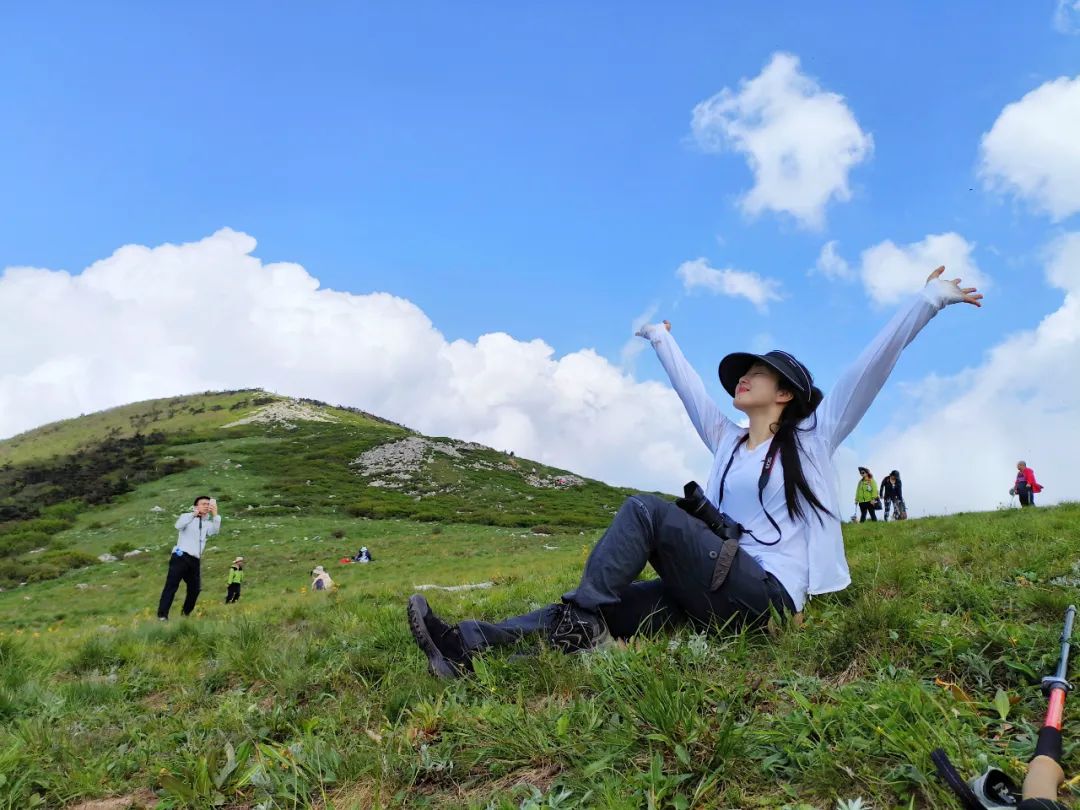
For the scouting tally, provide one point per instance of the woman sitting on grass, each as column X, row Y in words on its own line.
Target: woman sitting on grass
column 776, row 478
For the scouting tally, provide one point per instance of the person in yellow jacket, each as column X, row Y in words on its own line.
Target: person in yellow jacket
column 236, row 576
column 866, row 494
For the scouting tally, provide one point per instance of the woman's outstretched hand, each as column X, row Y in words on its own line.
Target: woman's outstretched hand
column 646, row 330
column 966, row 295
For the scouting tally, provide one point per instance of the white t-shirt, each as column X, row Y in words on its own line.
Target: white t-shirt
column 787, row 560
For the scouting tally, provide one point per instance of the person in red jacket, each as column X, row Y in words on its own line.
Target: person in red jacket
column 1026, row 486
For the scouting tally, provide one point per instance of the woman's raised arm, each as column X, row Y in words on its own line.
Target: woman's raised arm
column 703, row 411
column 857, row 387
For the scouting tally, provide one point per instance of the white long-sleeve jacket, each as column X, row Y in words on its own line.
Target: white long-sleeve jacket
column 193, row 532
column 835, row 418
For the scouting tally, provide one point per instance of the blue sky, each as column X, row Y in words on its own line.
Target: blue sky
column 528, row 169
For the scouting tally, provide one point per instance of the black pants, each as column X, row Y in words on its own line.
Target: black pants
column 898, row 507
column 683, row 551
column 1027, row 495
column 233, row 593
column 865, row 509
column 183, row 568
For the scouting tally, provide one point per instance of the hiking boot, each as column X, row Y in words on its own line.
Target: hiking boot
column 441, row 642
column 577, row 630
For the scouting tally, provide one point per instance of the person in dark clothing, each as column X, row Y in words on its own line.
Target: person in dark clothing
column 363, row 556
column 194, row 527
column 892, row 495
column 235, row 578
column 1025, row 486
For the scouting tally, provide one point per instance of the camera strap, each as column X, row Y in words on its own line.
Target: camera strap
column 763, row 479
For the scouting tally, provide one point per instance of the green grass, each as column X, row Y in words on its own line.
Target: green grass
column 319, row 695
column 297, row 699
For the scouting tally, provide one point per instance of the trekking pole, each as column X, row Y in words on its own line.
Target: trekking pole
column 1044, row 771
column 994, row 789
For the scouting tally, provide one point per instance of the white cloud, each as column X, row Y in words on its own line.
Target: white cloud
column 800, row 141
column 1022, row 402
column 208, row 315
column 1067, row 16
column 832, row 265
column 759, row 291
column 890, row 272
column 1033, row 149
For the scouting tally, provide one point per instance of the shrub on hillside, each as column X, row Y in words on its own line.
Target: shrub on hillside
column 44, row 525
column 65, row 510
column 38, row 568
column 18, row 542
column 12, row 511
column 121, row 548
column 92, row 475
column 269, row 511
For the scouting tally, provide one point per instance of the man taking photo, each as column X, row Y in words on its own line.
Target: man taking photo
column 194, row 527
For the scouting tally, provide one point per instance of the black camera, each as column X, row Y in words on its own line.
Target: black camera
column 695, row 503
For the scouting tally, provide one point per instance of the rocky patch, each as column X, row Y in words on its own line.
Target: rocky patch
column 284, row 413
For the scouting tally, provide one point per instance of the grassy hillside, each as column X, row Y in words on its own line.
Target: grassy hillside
column 173, row 415
column 268, row 456
column 300, row 699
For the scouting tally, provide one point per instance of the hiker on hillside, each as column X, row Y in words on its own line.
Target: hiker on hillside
column 234, row 580
column 1025, row 486
column 363, row 555
column 774, row 480
column 892, row 495
column 321, row 580
column 193, row 527
column 866, row 495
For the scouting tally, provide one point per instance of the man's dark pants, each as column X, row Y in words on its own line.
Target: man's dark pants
column 182, row 568
column 682, row 550
column 1027, row 495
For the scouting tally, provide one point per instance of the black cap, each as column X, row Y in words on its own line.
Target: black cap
column 794, row 373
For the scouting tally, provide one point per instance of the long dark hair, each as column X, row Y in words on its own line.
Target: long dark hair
column 786, row 432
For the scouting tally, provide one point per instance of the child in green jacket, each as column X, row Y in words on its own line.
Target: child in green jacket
column 236, row 576
column 865, row 495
